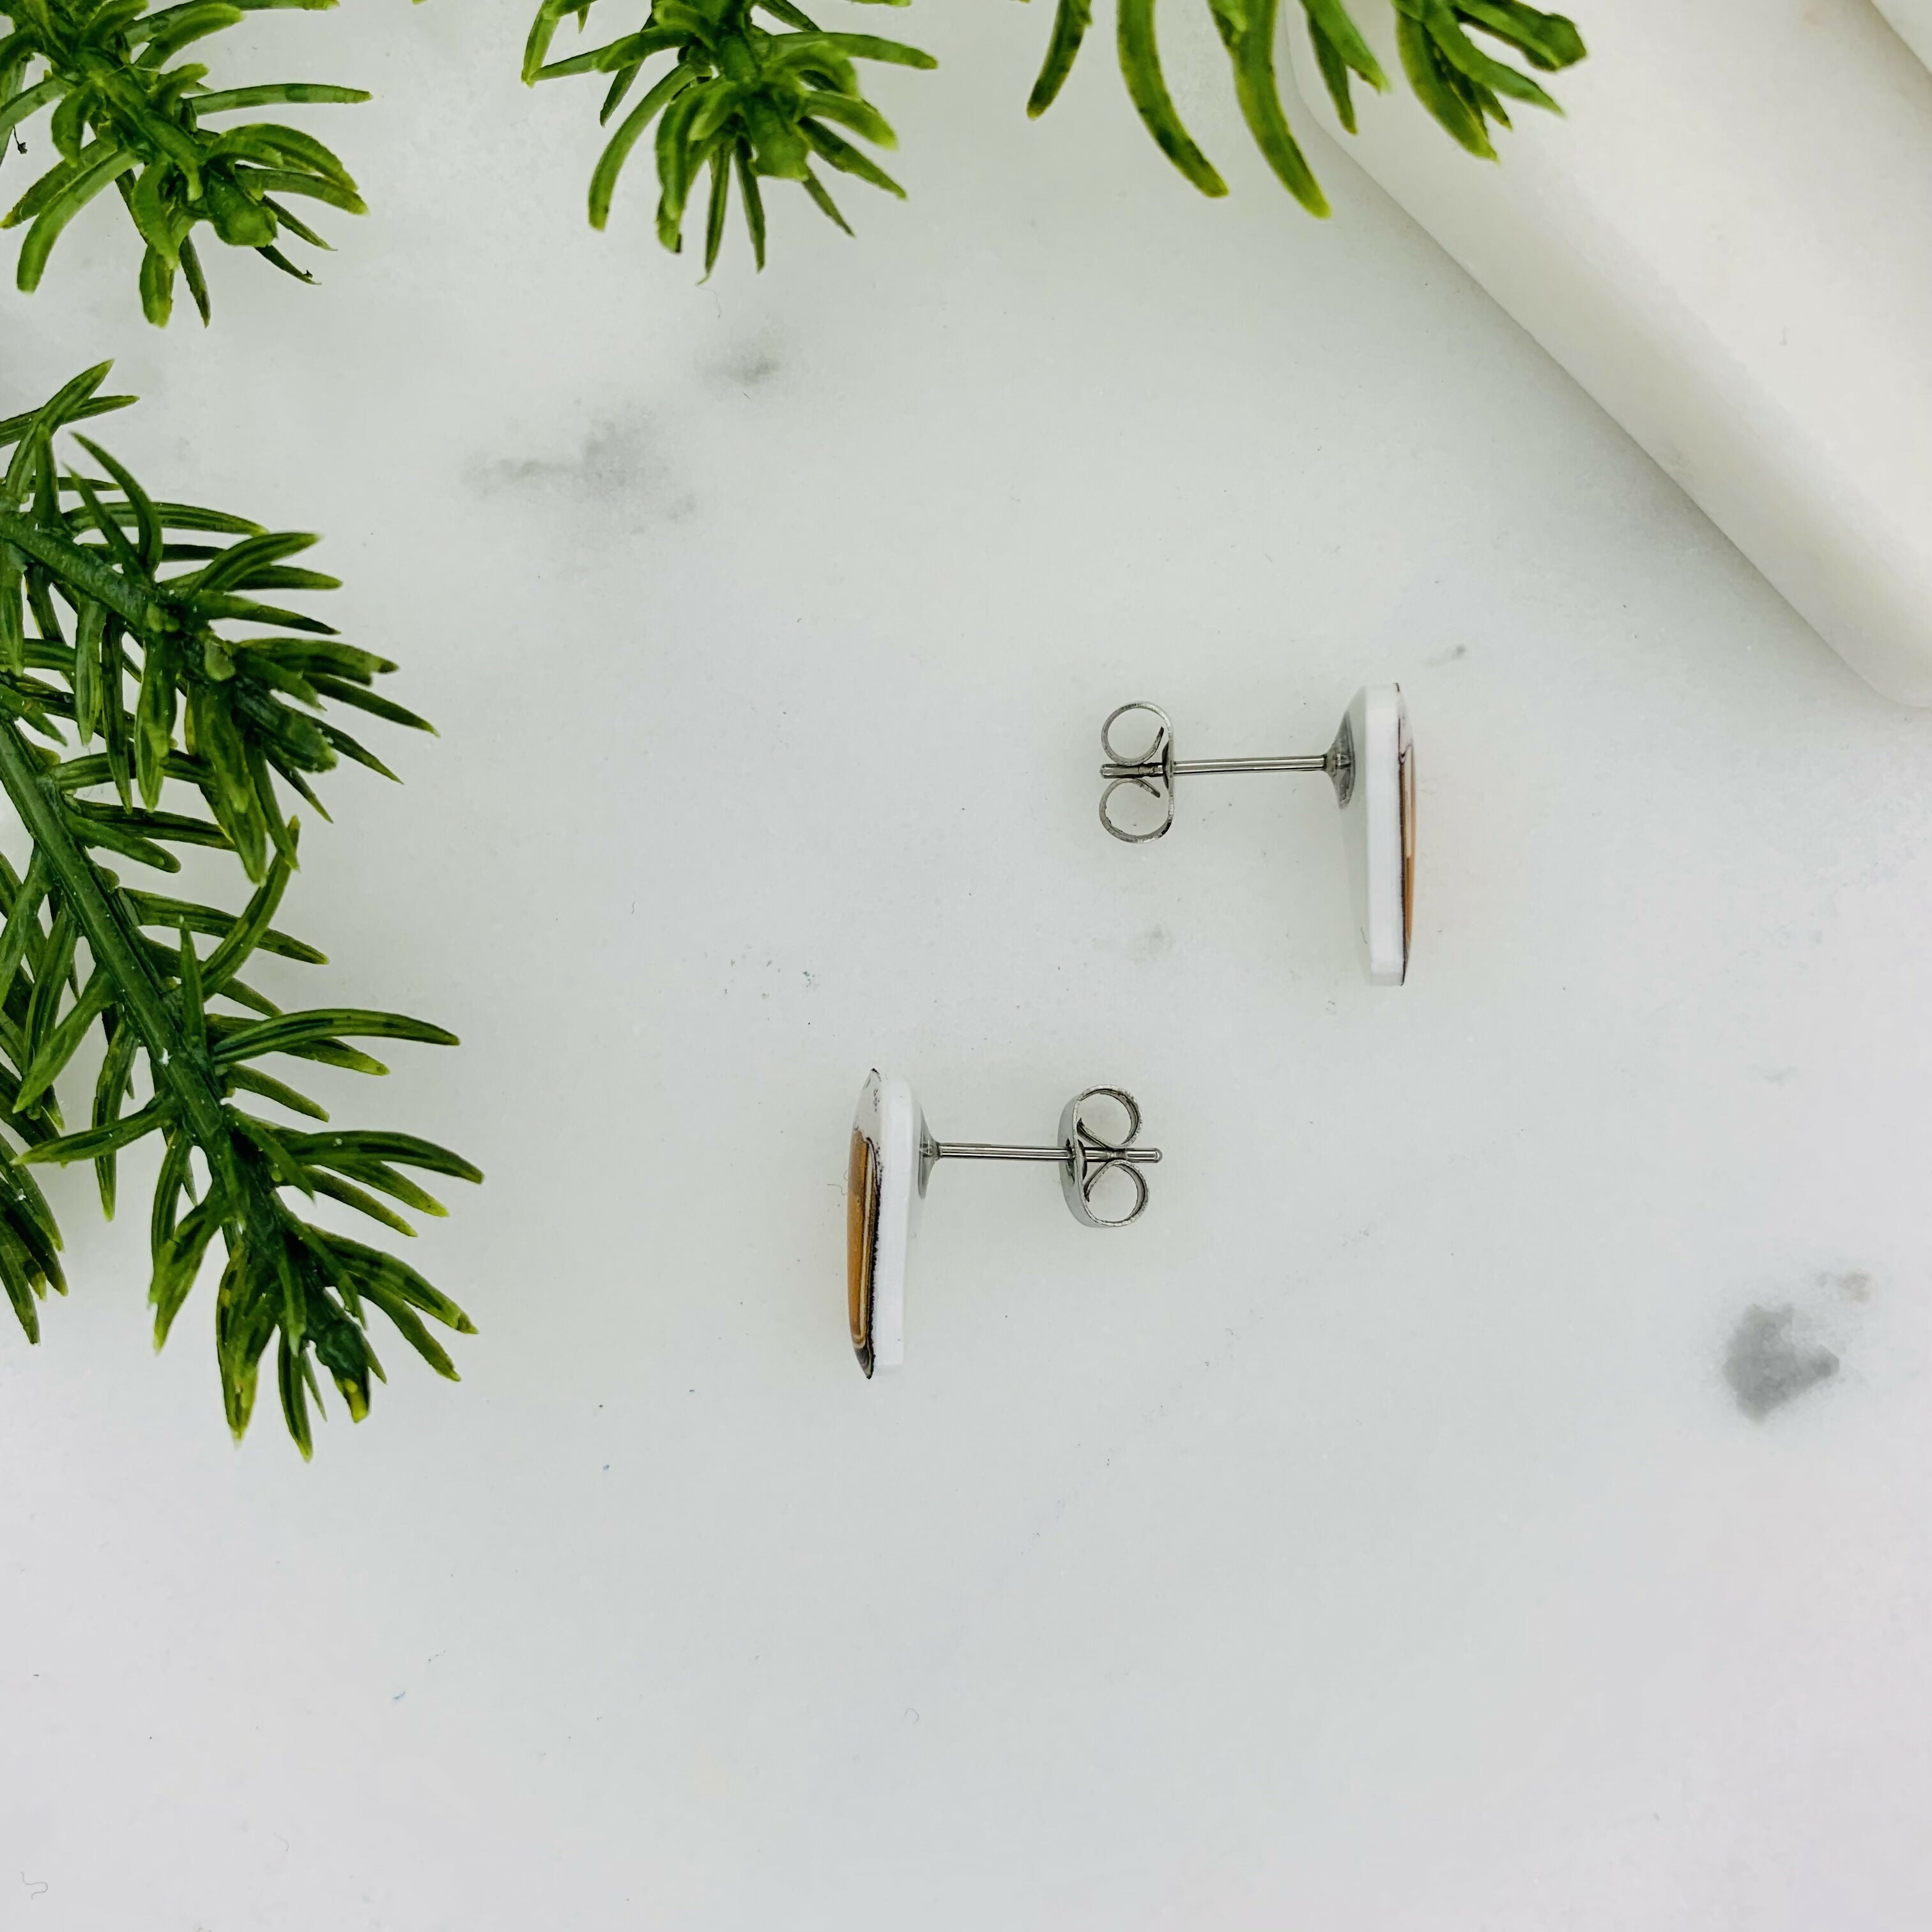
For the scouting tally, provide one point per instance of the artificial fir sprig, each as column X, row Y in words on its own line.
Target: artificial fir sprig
column 104, row 589
column 1461, row 86
column 737, row 100
column 120, row 115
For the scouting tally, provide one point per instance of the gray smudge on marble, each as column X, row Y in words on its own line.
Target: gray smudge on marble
column 1767, row 1367
column 750, row 364
column 616, row 464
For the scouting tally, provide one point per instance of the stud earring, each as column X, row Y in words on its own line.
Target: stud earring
column 1372, row 766
column 893, row 1154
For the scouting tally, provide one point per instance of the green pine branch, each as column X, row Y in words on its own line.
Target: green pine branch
column 119, row 617
column 743, row 102
column 1459, row 83
column 120, row 116
column 737, row 102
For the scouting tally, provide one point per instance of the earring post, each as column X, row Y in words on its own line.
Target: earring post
column 1316, row 761
column 1146, row 768
column 985, row 1150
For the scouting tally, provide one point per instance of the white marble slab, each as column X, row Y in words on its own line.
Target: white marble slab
column 1426, row 1516
column 1724, row 239
column 1913, row 21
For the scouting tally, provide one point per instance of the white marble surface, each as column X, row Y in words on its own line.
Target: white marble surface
column 1369, row 1539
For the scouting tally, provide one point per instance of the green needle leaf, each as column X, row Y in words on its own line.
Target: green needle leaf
column 630, row 130
column 1140, row 66
column 288, row 1031
column 92, row 1142
column 1260, row 100
column 61, row 210
column 1071, row 19
column 281, row 94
